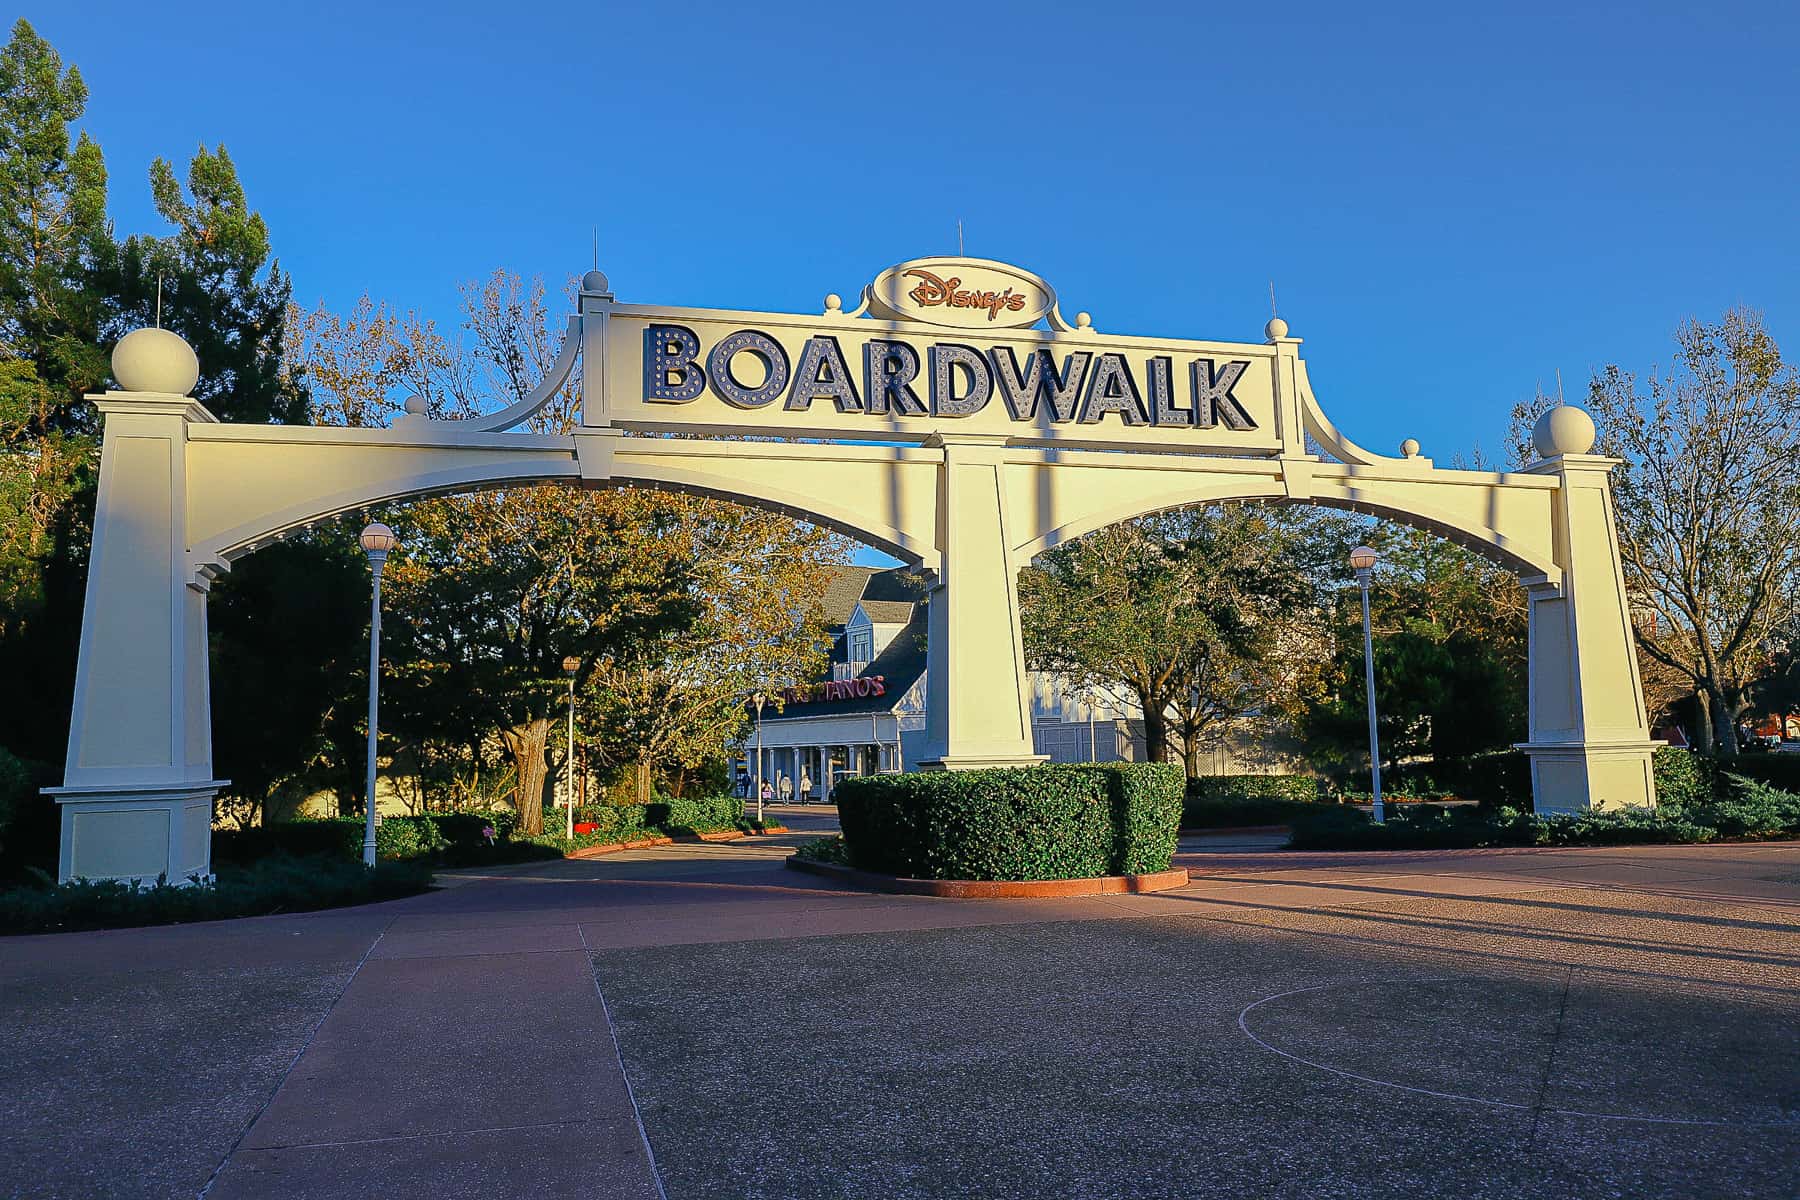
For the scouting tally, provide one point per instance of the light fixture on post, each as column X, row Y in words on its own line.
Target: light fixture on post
column 571, row 665
column 757, row 698
column 377, row 540
column 1363, row 560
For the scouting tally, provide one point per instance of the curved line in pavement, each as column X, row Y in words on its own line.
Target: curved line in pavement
column 1244, row 1027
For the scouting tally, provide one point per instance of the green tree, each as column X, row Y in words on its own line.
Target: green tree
column 1185, row 610
column 1705, row 502
column 288, row 655
column 751, row 586
column 52, row 231
column 214, row 281
column 1449, row 637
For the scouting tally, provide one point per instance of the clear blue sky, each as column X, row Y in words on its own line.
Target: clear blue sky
column 1454, row 203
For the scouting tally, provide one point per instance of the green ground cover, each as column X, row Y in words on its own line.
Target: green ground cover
column 276, row 884
column 1698, row 800
column 476, row 839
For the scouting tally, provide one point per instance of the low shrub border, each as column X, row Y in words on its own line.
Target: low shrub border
column 487, row 839
column 1736, row 809
column 1239, row 801
column 278, row 884
column 1013, row 823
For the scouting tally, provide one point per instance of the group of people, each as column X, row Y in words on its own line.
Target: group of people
column 781, row 788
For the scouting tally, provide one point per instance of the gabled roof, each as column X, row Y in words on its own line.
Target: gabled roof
column 888, row 612
column 843, row 591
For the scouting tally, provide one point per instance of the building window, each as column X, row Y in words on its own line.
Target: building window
column 862, row 645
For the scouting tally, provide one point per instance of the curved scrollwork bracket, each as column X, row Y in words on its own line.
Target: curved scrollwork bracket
column 517, row 414
column 1322, row 430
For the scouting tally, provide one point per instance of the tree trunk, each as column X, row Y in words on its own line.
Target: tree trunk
column 1190, row 748
column 1724, row 719
column 526, row 744
column 1703, row 727
column 640, row 779
column 1156, row 730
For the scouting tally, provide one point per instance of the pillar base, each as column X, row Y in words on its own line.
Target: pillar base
column 980, row 762
column 1591, row 776
column 137, row 834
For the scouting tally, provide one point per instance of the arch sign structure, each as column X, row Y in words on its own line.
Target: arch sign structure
column 954, row 418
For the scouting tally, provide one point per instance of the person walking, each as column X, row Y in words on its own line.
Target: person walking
column 768, row 793
column 786, row 787
column 805, row 796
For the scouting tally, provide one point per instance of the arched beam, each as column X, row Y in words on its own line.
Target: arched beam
column 884, row 538
column 1394, row 499
column 249, row 485
column 883, row 496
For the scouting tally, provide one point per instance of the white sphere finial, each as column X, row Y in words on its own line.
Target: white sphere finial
column 155, row 360
column 594, row 283
column 834, row 303
column 1409, row 448
column 1564, row 429
column 1083, row 321
column 1275, row 329
column 415, row 406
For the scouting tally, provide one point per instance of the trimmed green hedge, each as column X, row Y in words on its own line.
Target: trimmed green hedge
column 1684, row 777
column 1499, row 777
column 1739, row 808
column 1228, row 801
column 458, row 839
column 277, row 884
column 1012, row 823
column 1253, row 787
column 708, row 814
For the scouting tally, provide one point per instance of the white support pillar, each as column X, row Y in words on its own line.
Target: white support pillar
column 976, row 712
column 1590, row 743
column 138, row 787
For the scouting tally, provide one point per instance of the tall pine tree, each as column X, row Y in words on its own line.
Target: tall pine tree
column 53, row 232
column 220, row 288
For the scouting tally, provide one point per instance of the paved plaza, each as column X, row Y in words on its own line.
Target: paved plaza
column 696, row 1021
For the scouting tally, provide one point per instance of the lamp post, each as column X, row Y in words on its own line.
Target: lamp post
column 1363, row 559
column 377, row 540
column 571, row 665
column 757, row 698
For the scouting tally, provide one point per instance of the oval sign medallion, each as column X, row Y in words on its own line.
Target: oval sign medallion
column 960, row 293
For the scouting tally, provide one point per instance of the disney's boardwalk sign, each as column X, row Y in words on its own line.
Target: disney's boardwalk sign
column 892, row 376
column 952, row 418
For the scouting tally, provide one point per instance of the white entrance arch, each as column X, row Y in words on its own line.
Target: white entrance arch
column 954, row 419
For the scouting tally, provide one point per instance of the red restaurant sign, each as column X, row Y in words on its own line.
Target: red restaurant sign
column 861, row 687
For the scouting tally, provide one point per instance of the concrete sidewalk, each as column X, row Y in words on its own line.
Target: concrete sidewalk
column 1482, row 1023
